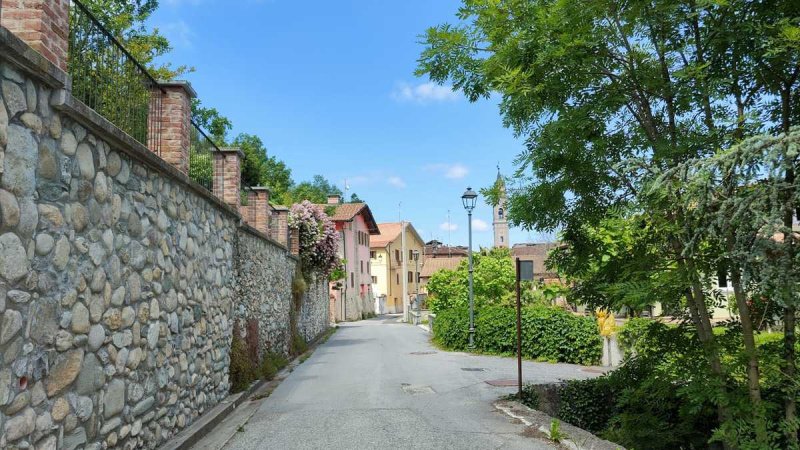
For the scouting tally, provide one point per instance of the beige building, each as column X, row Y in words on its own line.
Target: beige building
column 393, row 265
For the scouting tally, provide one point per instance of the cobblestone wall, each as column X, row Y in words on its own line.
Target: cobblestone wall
column 261, row 263
column 118, row 285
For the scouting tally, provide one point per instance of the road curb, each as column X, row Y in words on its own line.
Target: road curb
column 574, row 438
column 206, row 423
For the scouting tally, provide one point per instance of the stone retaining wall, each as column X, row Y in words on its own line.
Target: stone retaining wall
column 120, row 279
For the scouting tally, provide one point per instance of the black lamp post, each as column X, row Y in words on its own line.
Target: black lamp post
column 469, row 199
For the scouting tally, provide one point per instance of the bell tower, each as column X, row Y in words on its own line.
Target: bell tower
column 500, row 223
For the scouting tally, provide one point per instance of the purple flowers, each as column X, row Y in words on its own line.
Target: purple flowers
column 318, row 239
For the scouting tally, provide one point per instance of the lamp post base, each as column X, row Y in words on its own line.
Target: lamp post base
column 471, row 345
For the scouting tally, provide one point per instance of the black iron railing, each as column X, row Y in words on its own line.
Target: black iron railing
column 201, row 159
column 108, row 79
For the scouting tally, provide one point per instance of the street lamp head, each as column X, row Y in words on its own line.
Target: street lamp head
column 415, row 253
column 469, row 199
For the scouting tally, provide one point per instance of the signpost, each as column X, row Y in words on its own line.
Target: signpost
column 524, row 272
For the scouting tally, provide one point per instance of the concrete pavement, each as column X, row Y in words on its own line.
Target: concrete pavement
column 380, row 384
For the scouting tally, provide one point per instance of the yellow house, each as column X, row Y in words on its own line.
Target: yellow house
column 393, row 265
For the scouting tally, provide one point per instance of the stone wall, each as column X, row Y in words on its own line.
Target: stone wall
column 314, row 316
column 118, row 277
column 264, row 294
column 264, row 291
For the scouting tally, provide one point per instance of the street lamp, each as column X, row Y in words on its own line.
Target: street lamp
column 415, row 253
column 469, row 199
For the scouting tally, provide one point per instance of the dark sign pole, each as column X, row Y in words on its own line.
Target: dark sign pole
column 519, row 333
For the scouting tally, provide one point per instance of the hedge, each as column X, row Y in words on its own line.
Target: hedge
column 549, row 334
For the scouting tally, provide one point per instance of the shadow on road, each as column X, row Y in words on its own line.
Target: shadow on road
column 345, row 342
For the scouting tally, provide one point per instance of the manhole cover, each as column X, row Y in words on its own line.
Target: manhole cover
column 501, row 383
column 423, row 353
column 472, row 369
column 417, row 390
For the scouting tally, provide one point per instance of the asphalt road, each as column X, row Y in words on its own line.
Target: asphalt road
column 380, row 384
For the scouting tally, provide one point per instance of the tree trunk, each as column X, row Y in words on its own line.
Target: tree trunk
column 753, row 375
column 695, row 300
column 790, row 310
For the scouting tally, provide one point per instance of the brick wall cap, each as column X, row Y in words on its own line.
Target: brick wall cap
column 280, row 208
column 187, row 86
column 232, row 150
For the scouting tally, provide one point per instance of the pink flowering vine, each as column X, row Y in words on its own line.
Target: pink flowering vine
column 318, row 238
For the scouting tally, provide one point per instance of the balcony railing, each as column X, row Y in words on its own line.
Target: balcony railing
column 108, row 79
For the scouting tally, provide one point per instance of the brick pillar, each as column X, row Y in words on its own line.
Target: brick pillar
column 169, row 122
column 227, row 176
column 280, row 229
column 42, row 24
column 294, row 242
column 261, row 210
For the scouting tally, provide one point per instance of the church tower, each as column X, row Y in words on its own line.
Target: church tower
column 500, row 223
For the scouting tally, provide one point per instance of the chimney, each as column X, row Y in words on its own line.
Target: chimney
column 334, row 199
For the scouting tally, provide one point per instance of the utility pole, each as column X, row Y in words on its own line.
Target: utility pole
column 404, row 259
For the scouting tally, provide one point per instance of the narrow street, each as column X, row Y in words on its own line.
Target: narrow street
column 380, row 384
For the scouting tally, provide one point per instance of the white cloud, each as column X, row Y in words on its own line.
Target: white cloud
column 423, row 93
column 396, row 182
column 480, row 225
column 446, row 226
column 178, row 33
column 455, row 171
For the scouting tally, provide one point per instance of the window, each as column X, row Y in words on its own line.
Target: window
column 397, row 255
column 352, row 279
column 411, row 255
column 410, row 277
column 501, row 238
column 372, row 255
column 500, row 213
column 722, row 279
column 374, row 279
column 398, row 278
column 362, row 266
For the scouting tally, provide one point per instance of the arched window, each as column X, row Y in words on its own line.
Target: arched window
column 500, row 213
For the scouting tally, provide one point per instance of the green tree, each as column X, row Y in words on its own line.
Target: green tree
column 212, row 122
column 493, row 278
column 127, row 22
column 316, row 191
column 607, row 95
column 278, row 178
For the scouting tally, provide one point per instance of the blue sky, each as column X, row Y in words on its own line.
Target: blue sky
column 330, row 89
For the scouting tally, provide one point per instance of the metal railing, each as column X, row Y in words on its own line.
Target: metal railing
column 108, row 79
column 201, row 159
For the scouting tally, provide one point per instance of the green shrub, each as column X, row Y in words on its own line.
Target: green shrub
column 548, row 333
column 451, row 330
column 271, row 364
column 530, row 396
column 634, row 336
column 588, row 404
column 299, row 345
column 243, row 370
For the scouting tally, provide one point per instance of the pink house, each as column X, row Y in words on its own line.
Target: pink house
column 351, row 298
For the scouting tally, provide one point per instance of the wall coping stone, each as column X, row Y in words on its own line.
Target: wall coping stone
column 232, row 150
column 260, row 188
column 249, row 229
column 17, row 52
column 187, row 86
